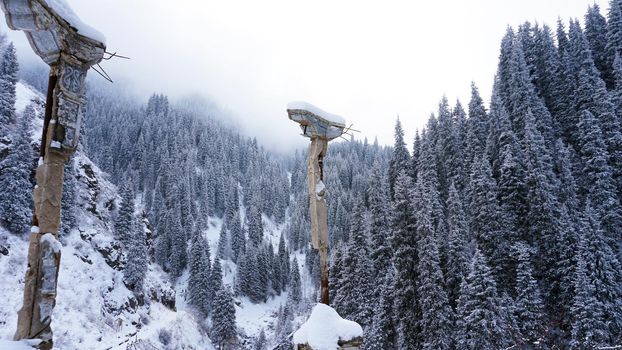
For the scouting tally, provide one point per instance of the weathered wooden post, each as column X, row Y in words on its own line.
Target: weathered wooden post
column 320, row 127
column 324, row 326
column 70, row 48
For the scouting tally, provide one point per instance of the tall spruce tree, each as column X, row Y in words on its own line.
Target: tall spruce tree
column 403, row 241
column 480, row 317
column 603, row 269
column 529, row 304
column 15, row 196
column 436, row 313
column 223, row 332
column 596, row 35
column 458, row 250
column 597, row 183
column 8, row 79
column 199, row 272
column 588, row 327
column 400, row 160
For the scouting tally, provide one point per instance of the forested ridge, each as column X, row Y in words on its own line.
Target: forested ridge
column 501, row 227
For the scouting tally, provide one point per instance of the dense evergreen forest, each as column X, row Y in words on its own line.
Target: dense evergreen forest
column 499, row 229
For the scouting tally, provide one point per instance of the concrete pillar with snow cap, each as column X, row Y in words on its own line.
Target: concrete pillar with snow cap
column 70, row 48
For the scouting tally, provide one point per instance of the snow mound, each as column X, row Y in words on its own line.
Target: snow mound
column 64, row 11
column 333, row 118
column 325, row 328
column 52, row 241
column 26, row 344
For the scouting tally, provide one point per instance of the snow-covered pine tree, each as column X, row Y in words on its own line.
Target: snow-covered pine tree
column 378, row 198
column 295, row 284
column 137, row 261
column 436, row 314
column 223, row 332
column 237, row 237
column 613, row 44
column 199, row 273
column 528, row 304
column 403, row 242
column 261, row 342
column 400, row 160
column 597, row 183
column 124, row 225
column 458, row 242
column 485, row 215
column 588, row 327
column 214, row 281
column 16, row 193
column 480, row 317
column 179, row 255
column 254, row 223
column 477, row 129
column 223, row 244
column 8, row 78
column 382, row 332
column 603, row 269
column 596, row 35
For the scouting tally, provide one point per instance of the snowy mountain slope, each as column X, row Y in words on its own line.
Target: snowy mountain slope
column 94, row 308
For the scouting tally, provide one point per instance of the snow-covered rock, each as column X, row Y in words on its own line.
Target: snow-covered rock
column 325, row 328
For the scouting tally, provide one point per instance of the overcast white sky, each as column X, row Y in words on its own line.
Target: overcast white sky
column 365, row 60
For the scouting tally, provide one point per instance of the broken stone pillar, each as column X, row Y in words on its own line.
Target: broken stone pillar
column 63, row 44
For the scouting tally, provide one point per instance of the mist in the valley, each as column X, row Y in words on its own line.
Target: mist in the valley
column 367, row 61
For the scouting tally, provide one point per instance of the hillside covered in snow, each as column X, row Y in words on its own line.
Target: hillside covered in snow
column 500, row 228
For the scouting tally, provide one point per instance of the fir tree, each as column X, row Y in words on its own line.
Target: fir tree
column 199, row 274
column 261, row 342
column 529, row 307
column 597, row 184
column 378, row 220
column 480, row 318
column 137, row 263
column 614, row 31
column 603, row 270
column 8, row 79
column 254, row 224
column 596, row 35
column 15, row 196
column 223, row 332
column 588, row 328
column 400, row 159
column 458, row 239
column 214, row 281
column 382, row 333
column 436, row 314
column 238, row 238
column 124, row 225
column 295, row 285
column 403, row 241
